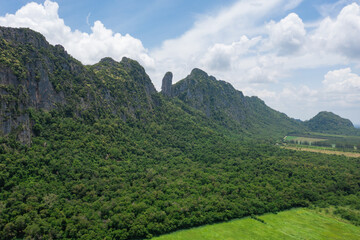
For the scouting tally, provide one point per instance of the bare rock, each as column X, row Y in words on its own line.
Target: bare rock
column 166, row 84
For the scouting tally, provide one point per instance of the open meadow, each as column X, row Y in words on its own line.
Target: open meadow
column 300, row 223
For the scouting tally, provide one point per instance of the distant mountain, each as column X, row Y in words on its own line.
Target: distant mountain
column 220, row 101
column 328, row 122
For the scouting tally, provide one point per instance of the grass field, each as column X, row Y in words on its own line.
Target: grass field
column 320, row 141
column 298, row 223
column 321, row 150
column 304, row 139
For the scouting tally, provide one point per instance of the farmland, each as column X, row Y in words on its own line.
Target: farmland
column 322, row 150
column 298, row 223
column 324, row 142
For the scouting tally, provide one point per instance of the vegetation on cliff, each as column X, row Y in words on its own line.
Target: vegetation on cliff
column 107, row 157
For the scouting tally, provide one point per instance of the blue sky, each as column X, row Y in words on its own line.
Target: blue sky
column 299, row 56
column 152, row 21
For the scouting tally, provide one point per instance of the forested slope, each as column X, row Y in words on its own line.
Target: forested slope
column 107, row 157
column 328, row 122
column 221, row 102
column 134, row 180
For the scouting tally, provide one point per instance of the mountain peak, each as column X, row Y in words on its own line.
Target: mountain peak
column 329, row 122
column 23, row 36
column 166, row 84
column 108, row 60
column 198, row 72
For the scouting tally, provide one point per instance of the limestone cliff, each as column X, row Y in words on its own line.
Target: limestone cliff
column 166, row 84
column 221, row 101
column 36, row 75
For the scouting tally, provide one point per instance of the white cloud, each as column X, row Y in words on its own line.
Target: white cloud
column 288, row 35
column 261, row 75
column 340, row 92
column 263, row 93
column 211, row 42
column 333, row 9
column 341, row 35
column 342, row 87
column 221, row 56
column 88, row 48
column 342, row 80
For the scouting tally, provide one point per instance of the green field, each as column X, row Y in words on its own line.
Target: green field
column 336, row 142
column 293, row 224
column 303, row 139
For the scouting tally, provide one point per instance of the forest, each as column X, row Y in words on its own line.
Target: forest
column 95, row 152
column 107, row 179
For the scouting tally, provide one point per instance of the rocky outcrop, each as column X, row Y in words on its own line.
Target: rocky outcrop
column 138, row 74
column 166, row 84
column 220, row 101
column 33, row 74
column 24, row 36
column 127, row 89
column 206, row 93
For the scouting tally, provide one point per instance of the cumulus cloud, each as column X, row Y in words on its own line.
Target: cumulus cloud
column 263, row 93
column 342, row 87
column 221, row 56
column 88, row 48
column 340, row 92
column 260, row 75
column 342, row 80
column 342, row 34
column 212, row 43
column 288, row 35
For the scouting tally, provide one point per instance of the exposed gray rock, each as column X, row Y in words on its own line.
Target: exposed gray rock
column 24, row 36
column 34, row 89
column 166, row 84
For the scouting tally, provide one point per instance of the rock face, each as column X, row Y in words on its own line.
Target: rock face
column 166, row 84
column 36, row 75
column 24, row 81
column 127, row 88
column 211, row 96
column 220, row 101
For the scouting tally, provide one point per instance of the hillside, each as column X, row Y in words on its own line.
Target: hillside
column 328, row 122
column 94, row 152
column 36, row 75
column 221, row 102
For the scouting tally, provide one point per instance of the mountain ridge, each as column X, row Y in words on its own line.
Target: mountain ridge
column 95, row 152
column 35, row 74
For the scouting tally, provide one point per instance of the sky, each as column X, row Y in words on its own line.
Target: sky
column 300, row 56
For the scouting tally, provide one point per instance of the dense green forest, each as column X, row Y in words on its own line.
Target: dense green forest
column 95, row 152
column 116, row 180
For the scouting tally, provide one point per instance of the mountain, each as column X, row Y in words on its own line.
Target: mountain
column 220, row 101
column 36, row 75
column 328, row 122
column 94, row 152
